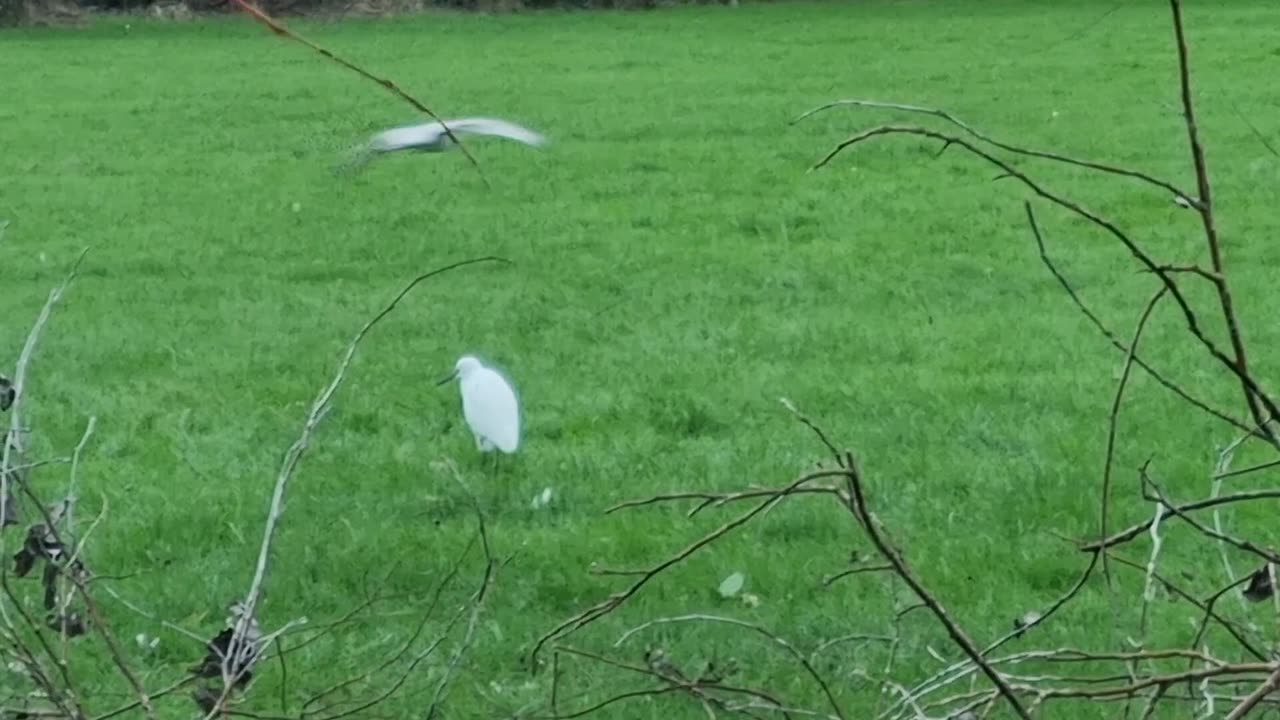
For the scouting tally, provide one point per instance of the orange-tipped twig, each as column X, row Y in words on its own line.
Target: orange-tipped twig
column 278, row 28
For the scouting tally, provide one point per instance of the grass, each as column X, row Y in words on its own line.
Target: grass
column 676, row 272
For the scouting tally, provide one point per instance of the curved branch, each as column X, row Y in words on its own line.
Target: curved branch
column 1116, row 342
column 1193, row 322
column 1056, row 157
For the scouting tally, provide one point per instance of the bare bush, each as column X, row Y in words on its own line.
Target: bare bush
column 1230, row 677
column 47, row 624
column 228, row 664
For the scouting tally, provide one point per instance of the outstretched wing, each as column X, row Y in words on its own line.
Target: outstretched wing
column 432, row 137
column 494, row 126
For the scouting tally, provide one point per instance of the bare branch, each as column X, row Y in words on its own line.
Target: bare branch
column 1167, row 278
column 1252, row 128
column 1114, row 417
column 1263, row 411
column 1134, row 531
column 1255, row 697
column 1115, row 341
column 1242, row 544
column 294, row 455
column 490, row 566
column 858, row 506
column 777, row 639
column 13, row 447
column 279, row 28
column 611, row 603
column 974, row 132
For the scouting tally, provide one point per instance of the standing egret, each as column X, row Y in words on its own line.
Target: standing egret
column 431, row 137
column 489, row 405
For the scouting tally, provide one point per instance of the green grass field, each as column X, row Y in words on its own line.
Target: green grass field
column 676, row 271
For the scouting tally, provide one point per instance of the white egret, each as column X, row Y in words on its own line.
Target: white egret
column 431, row 137
column 489, row 405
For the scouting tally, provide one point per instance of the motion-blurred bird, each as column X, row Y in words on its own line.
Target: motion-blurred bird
column 432, row 137
column 489, row 405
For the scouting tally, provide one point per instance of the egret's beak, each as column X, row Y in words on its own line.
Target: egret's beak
column 447, row 378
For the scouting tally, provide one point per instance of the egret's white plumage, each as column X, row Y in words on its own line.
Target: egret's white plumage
column 431, row 137
column 489, row 405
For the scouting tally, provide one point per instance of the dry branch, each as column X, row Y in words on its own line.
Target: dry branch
column 1169, row 279
column 1263, row 411
column 12, row 451
column 43, row 543
column 857, row 504
column 280, row 29
column 984, row 137
column 243, row 649
column 1179, row 511
column 1115, row 341
column 778, row 640
column 707, row 688
column 1113, row 419
column 1147, row 680
column 615, row 600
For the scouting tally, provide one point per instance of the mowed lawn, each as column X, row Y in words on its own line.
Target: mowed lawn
column 676, row 272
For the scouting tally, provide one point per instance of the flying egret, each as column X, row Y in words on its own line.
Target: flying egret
column 431, row 137
column 489, row 405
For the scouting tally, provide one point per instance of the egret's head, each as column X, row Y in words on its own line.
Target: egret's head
column 466, row 365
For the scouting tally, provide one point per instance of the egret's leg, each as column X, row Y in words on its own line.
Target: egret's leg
column 484, row 446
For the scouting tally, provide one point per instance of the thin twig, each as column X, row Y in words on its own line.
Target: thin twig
column 294, row 456
column 13, row 446
column 1042, row 617
column 1167, row 278
column 1113, row 419
column 477, row 603
column 1255, row 697
column 1111, row 337
column 72, row 490
column 1180, row 511
column 279, row 28
column 858, row 505
column 1258, row 405
column 974, row 132
column 1248, row 470
column 1206, row 607
column 828, row 580
column 1256, row 132
column 615, row 600
column 1246, row 545
column 777, row 639
column 1224, row 461
column 1148, row 589
column 405, row 647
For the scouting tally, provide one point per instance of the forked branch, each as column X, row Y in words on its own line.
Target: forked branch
column 243, row 649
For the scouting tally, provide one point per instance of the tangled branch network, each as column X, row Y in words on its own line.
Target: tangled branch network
column 1223, row 664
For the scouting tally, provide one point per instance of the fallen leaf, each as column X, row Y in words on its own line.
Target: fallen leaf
column 732, row 585
column 542, row 499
